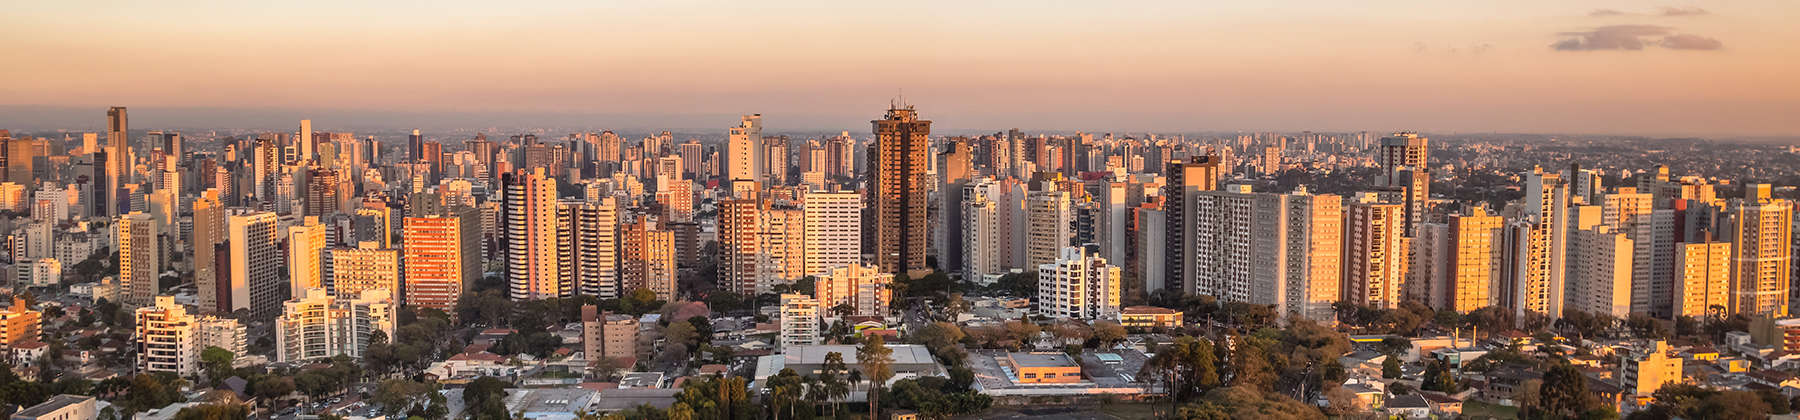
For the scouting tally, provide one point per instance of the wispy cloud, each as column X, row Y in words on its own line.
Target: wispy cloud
column 1666, row 12
column 1690, row 42
column 1633, row 38
column 1684, row 11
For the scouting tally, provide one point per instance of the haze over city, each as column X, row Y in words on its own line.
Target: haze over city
column 1709, row 69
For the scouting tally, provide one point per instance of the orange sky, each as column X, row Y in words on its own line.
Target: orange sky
column 1725, row 68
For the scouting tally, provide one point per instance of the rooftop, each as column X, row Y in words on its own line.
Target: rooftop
column 904, row 354
column 53, row 404
column 1023, row 359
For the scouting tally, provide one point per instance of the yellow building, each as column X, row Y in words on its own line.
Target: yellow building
column 19, row 323
column 1642, row 373
column 1149, row 317
column 1043, row 368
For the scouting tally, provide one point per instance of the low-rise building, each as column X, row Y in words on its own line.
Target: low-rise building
column 1042, row 368
column 61, row 407
column 1642, row 373
column 1149, row 317
column 19, row 323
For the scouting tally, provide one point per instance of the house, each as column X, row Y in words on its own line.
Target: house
column 470, row 365
column 1409, row 406
column 61, row 407
column 1443, row 404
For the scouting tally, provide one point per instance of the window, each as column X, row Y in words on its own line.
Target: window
column 1031, row 376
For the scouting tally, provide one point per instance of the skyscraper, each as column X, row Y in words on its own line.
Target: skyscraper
column 595, row 225
column 321, row 192
column 833, row 230
column 209, row 230
column 1047, row 222
column 898, row 197
column 1537, row 283
column 443, row 254
column 1599, row 265
column 139, row 258
column 1314, row 255
column 306, row 258
column 1703, row 283
column 256, row 282
column 745, row 149
column 533, row 270
column 365, row 268
column 649, row 259
column 954, row 169
column 1374, row 254
column 1199, row 173
column 1472, row 260
column 118, row 172
column 1761, row 230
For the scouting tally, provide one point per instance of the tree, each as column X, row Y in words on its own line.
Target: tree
column 217, row 362
column 831, row 382
column 1188, row 366
column 399, row 395
column 1108, row 333
column 938, row 335
column 1022, row 331
column 1390, row 368
column 485, row 397
column 1439, row 377
column 681, row 333
column 213, row 412
column 786, row 389
column 1564, row 394
column 877, row 365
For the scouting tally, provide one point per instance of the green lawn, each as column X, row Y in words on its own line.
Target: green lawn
column 1479, row 410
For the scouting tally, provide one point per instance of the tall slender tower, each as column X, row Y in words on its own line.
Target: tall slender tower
column 139, row 255
column 1404, row 162
column 533, row 268
column 255, row 265
column 1538, row 281
column 898, row 200
column 745, row 149
column 209, row 231
column 118, row 163
column 1200, row 173
column 1761, row 231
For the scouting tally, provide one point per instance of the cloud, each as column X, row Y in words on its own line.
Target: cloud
column 1690, row 42
column 1666, row 12
column 1613, row 37
column 1633, row 38
column 1684, row 11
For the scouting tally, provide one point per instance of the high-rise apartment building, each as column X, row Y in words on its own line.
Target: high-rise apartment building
column 898, row 200
column 306, row 258
column 649, row 259
column 744, row 149
column 739, row 244
column 1314, row 255
column 1405, row 161
column 318, row 326
column 1536, row 281
column 833, row 229
column 165, row 338
column 140, row 259
column 321, row 192
column 1761, row 231
column 255, row 264
column 533, row 268
column 595, row 246
column 442, row 255
column 1048, row 219
column 1703, row 284
column 366, row 267
column 1374, row 252
column 18, row 323
column 799, row 320
column 954, row 168
column 1472, row 260
column 1078, row 285
column 213, row 295
column 865, row 289
column 984, row 240
column 1599, row 276
column 1199, row 173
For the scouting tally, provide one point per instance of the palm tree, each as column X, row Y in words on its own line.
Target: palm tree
column 834, row 385
column 785, row 390
column 877, row 363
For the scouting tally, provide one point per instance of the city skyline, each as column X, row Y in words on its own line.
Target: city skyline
column 1710, row 70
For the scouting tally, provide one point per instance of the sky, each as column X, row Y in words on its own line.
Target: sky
column 1706, row 68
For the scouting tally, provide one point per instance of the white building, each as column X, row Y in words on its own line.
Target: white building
column 319, row 326
column 833, row 229
column 799, row 320
column 1078, row 285
column 165, row 338
column 1600, row 268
